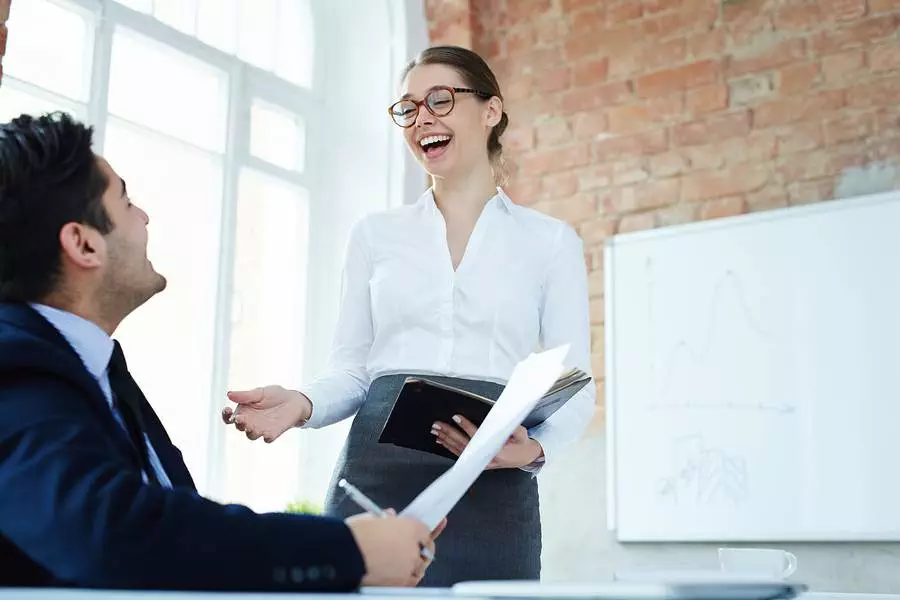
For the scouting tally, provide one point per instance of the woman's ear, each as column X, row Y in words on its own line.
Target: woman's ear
column 493, row 111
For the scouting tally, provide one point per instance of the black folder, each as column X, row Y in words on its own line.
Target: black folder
column 422, row 402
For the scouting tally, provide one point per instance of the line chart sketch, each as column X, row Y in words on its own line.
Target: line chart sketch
column 702, row 474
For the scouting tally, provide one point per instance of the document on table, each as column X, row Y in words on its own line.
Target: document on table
column 530, row 380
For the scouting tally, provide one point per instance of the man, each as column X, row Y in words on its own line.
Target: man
column 92, row 491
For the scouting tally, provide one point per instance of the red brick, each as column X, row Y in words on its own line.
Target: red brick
column 751, row 27
column 591, row 72
column 837, row 67
column 552, row 30
column 883, row 92
column 700, row 158
column 881, row 58
column 556, row 159
column 574, row 209
column 535, row 107
column 595, row 176
column 807, row 192
column 596, row 285
column 639, row 222
column 759, row 147
column 592, row 44
column 809, row 165
column 709, row 98
column 519, row 139
column 861, row 33
column 779, row 55
column 524, row 192
column 589, row 21
column 628, row 119
column 711, row 129
column 678, row 214
column 589, row 124
column 668, row 164
column 630, row 171
column 595, row 96
column 520, row 40
column 879, row 6
column 844, row 10
column 656, row 194
column 558, row 185
column 800, row 137
column 710, row 43
column 666, row 108
column 569, row 6
column 536, row 61
column 723, row 207
column 799, row 17
column 555, row 80
column 553, row 132
column 4, row 32
column 592, row 233
column 519, row 87
column 694, row 17
column 718, row 184
column 798, row 108
column 596, row 312
column 648, row 143
column 628, row 10
column 652, row 57
column 768, row 198
column 4, row 10
column 655, row 6
column 795, row 79
column 671, row 80
column 520, row 10
column 847, row 128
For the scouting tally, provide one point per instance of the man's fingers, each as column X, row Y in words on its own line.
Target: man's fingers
column 465, row 424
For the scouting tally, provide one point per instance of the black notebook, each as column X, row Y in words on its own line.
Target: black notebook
column 422, row 401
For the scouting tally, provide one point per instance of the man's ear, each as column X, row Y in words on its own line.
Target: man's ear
column 493, row 111
column 82, row 246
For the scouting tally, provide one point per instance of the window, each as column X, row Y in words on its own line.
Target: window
column 207, row 109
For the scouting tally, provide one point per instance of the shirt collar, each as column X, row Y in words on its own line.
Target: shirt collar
column 91, row 343
column 426, row 200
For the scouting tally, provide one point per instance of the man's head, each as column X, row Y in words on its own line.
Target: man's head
column 69, row 235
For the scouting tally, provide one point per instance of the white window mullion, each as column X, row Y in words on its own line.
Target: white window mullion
column 98, row 99
column 235, row 149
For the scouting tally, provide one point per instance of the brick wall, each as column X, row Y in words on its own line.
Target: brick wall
column 632, row 114
column 4, row 15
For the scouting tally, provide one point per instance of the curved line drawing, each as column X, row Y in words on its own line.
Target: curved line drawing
column 683, row 352
column 703, row 475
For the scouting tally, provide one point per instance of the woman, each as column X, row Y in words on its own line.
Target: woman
column 463, row 284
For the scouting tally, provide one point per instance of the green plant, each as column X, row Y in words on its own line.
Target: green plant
column 306, row 507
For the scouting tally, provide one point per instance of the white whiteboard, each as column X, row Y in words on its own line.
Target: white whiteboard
column 753, row 376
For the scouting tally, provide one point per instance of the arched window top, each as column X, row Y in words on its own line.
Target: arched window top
column 277, row 36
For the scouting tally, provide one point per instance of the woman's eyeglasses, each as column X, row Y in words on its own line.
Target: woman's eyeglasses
column 439, row 101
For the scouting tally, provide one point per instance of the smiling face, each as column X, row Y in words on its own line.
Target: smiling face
column 453, row 144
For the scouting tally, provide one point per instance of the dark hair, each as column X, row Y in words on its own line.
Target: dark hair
column 477, row 75
column 49, row 176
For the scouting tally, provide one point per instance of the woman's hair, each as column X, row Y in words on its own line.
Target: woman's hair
column 477, row 75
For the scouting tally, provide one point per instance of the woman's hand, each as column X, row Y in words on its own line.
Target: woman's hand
column 519, row 450
column 267, row 412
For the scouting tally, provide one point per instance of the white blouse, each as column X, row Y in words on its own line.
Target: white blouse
column 521, row 286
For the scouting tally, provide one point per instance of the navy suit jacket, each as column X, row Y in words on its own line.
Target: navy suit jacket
column 75, row 512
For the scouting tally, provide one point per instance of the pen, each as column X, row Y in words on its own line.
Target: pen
column 370, row 507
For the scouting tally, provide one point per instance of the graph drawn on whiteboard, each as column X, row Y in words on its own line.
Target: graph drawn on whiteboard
column 702, row 474
column 706, row 373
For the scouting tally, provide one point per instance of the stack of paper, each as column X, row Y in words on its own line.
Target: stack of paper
column 529, row 381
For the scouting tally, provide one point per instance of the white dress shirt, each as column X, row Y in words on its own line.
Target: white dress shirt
column 521, row 286
column 95, row 348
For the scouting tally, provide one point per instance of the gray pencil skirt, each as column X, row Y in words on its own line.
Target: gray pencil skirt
column 494, row 532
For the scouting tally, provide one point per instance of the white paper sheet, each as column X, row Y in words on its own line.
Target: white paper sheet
column 529, row 381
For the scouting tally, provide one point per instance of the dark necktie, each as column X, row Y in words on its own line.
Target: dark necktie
column 127, row 397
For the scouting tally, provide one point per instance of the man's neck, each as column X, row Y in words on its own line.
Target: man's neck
column 85, row 309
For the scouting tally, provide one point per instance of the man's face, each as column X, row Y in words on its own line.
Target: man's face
column 129, row 278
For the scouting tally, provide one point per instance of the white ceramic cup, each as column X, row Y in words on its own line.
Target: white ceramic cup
column 768, row 563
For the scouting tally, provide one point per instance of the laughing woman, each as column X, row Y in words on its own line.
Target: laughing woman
column 463, row 284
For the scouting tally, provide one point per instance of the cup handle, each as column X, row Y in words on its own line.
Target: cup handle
column 791, row 564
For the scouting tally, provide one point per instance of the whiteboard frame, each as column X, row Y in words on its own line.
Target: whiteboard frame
column 610, row 388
